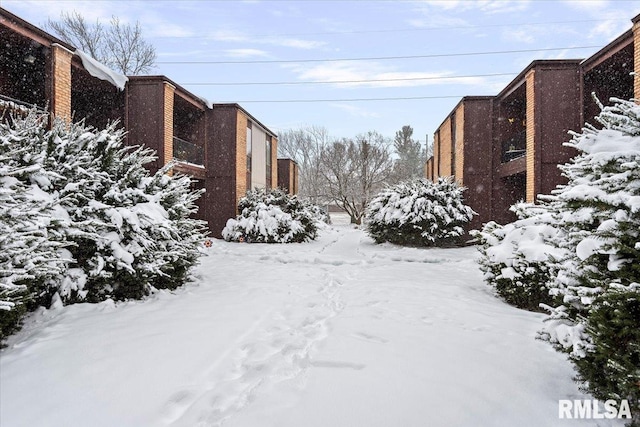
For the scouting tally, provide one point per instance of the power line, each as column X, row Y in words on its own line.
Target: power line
column 347, row 81
column 282, row 101
column 378, row 58
column 404, row 30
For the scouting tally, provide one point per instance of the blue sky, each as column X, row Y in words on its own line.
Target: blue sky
column 274, row 51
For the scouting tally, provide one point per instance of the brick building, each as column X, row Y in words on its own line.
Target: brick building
column 288, row 175
column 221, row 146
column 242, row 155
column 507, row 148
column 37, row 69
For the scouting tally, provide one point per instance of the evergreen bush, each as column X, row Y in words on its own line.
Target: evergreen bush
column 99, row 225
column 583, row 245
column 518, row 259
column 419, row 213
column 599, row 209
column 272, row 216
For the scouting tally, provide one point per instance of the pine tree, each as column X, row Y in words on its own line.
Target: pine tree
column 411, row 158
column 81, row 217
column 179, row 237
column 29, row 260
column 131, row 232
column 517, row 259
column 599, row 280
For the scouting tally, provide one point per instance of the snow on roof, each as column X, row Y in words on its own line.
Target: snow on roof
column 101, row 71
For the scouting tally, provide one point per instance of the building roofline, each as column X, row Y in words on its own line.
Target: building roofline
column 538, row 63
column 253, row 119
column 288, row 159
column 619, row 43
column 181, row 90
column 462, row 101
column 19, row 25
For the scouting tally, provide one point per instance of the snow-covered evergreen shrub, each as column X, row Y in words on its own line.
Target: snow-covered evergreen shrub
column 272, row 216
column 124, row 231
column 583, row 244
column 29, row 260
column 419, row 213
column 319, row 214
column 131, row 231
column 518, row 259
column 599, row 209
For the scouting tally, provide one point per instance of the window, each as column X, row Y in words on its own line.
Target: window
column 268, row 161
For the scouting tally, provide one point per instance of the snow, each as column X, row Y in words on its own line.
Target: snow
column 335, row 332
column 101, row 71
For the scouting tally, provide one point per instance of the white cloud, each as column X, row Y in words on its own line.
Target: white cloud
column 613, row 26
column 291, row 42
column 228, row 36
column 438, row 21
column 246, row 53
column 486, row 6
column 519, row 35
column 372, row 74
column 615, row 17
column 154, row 26
column 589, row 5
column 354, row 110
column 239, row 37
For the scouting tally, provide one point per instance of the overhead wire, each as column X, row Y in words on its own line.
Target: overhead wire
column 365, row 81
column 404, row 30
column 284, row 101
column 309, row 82
column 377, row 58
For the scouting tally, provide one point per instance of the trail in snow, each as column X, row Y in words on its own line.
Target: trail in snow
column 337, row 332
column 278, row 347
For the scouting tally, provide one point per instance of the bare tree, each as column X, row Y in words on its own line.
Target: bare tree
column 355, row 170
column 119, row 46
column 305, row 146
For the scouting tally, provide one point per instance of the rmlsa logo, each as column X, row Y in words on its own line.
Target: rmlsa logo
column 591, row 409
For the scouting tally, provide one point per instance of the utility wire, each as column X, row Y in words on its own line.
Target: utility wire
column 282, row 101
column 347, row 81
column 404, row 30
column 379, row 58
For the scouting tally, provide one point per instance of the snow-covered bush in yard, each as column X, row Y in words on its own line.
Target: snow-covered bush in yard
column 124, row 231
column 130, row 231
column 29, row 260
column 599, row 208
column 319, row 214
column 519, row 259
column 419, row 213
column 272, row 216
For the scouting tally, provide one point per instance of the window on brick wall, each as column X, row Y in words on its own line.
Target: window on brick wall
column 249, row 153
column 268, row 161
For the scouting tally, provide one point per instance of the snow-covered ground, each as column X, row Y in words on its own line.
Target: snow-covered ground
column 337, row 332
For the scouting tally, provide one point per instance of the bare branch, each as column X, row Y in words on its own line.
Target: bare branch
column 120, row 46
